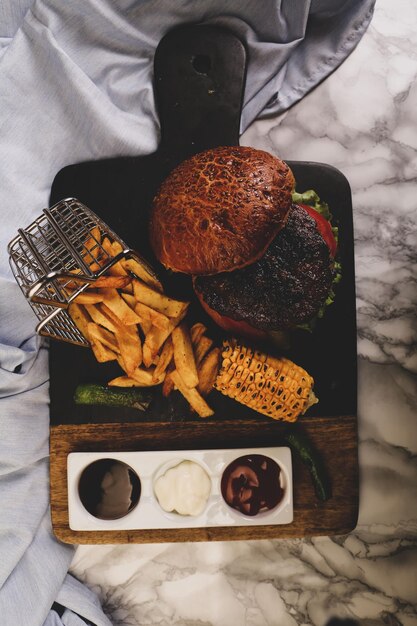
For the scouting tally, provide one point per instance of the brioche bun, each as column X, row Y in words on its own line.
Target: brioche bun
column 219, row 210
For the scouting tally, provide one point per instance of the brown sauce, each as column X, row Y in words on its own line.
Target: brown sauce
column 109, row 489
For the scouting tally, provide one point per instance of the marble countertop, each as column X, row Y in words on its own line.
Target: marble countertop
column 362, row 120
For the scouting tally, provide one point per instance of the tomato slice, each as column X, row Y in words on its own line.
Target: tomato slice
column 324, row 228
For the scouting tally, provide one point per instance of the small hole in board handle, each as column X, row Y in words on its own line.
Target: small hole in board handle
column 201, row 63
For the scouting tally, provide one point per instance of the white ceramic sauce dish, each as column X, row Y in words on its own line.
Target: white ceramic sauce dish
column 148, row 513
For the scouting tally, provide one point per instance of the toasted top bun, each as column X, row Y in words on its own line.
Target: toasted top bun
column 219, row 210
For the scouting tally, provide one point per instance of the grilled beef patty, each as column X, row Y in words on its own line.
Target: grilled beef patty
column 286, row 287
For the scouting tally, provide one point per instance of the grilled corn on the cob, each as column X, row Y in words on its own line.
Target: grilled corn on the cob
column 275, row 387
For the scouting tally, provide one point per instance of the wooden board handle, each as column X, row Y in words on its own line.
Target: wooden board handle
column 199, row 80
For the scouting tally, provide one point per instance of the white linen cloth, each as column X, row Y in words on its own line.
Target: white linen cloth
column 76, row 84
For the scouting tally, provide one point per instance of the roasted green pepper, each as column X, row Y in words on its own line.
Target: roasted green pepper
column 299, row 443
column 133, row 397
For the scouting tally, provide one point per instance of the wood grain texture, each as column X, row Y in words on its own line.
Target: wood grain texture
column 312, row 517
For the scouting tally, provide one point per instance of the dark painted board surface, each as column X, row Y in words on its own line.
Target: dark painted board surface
column 329, row 353
column 200, row 110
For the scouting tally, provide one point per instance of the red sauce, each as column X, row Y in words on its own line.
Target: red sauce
column 251, row 484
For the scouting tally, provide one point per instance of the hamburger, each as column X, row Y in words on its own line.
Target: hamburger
column 262, row 257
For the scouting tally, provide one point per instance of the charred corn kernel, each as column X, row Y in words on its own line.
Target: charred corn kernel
column 275, row 387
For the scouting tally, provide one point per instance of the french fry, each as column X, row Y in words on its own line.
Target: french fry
column 147, row 355
column 102, row 352
column 95, row 237
column 158, row 301
column 123, row 381
column 140, row 271
column 121, row 362
column 155, row 317
column 196, row 332
column 168, row 384
column 165, row 358
column 97, row 316
column 128, row 289
column 92, row 249
column 142, row 378
column 149, row 317
column 96, row 266
column 106, row 245
column 177, row 320
column 89, row 297
column 111, row 282
column 117, row 270
column 112, row 249
column 110, row 316
column 146, row 326
column 184, row 356
column 154, row 340
column 113, row 323
column 129, row 299
column 129, row 296
column 146, row 377
column 208, row 370
column 192, row 396
column 104, row 336
column 80, row 318
column 118, row 267
column 107, row 318
column 130, row 349
column 118, row 306
column 116, row 248
column 70, row 285
column 202, row 348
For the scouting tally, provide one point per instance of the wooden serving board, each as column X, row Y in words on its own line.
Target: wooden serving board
column 311, row 517
column 199, row 80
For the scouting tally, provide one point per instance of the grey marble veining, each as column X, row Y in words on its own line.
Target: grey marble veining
column 362, row 120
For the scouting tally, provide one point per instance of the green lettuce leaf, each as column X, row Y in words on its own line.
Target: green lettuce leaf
column 311, row 198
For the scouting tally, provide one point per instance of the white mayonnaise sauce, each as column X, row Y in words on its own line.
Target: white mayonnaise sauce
column 184, row 489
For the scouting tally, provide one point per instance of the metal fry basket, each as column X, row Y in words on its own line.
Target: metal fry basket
column 57, row 257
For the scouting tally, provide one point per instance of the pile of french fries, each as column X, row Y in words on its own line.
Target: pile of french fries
column 127, row 318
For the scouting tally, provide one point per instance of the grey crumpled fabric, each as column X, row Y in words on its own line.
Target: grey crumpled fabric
column 76, row 84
